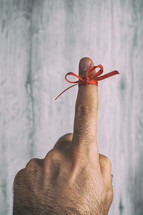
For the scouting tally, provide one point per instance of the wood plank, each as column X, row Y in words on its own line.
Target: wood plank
column 40, row 41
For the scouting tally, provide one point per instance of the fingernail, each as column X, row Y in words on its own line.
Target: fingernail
column 85, row 63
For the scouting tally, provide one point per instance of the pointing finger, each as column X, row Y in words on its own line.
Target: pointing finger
column 85, row 123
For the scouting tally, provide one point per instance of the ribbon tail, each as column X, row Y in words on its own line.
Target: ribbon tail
column 65, row 90
column 115, row 72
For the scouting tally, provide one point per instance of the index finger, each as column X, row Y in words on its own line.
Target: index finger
column 85, row 122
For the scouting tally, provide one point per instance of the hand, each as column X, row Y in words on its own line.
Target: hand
column 73, row 178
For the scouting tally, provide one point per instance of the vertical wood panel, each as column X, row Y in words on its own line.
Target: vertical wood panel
column 16, row 117
column 40, row 41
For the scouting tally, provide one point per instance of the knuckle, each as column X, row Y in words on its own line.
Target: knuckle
column 84, row 109
column 52, row 164
column 48, row 156
column 32, row 164
column 64, row 141
column 17, row 178
column 53, row 156
column 66, row 137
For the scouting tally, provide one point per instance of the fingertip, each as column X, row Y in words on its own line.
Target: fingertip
column 84, row 64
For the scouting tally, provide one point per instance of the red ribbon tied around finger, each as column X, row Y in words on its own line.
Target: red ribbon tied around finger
column 89, row 78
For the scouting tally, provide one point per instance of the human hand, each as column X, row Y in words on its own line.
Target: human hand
column 73, row 178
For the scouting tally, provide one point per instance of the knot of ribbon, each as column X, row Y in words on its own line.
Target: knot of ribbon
column 89, row 78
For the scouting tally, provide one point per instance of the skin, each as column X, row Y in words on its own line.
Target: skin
column 73, row 178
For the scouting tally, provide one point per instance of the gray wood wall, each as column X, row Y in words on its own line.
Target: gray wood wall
column 40, row 41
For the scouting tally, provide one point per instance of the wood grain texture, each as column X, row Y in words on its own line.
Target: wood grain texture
column 40, row 41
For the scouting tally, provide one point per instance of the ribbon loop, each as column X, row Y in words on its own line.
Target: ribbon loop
column 89, row 79
column 73, row 82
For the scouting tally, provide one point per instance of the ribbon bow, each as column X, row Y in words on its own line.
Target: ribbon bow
column 89, row 78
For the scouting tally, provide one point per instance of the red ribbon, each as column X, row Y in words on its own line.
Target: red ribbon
column 89, row 79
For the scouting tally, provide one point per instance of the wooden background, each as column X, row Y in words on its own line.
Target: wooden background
column 40, row 41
